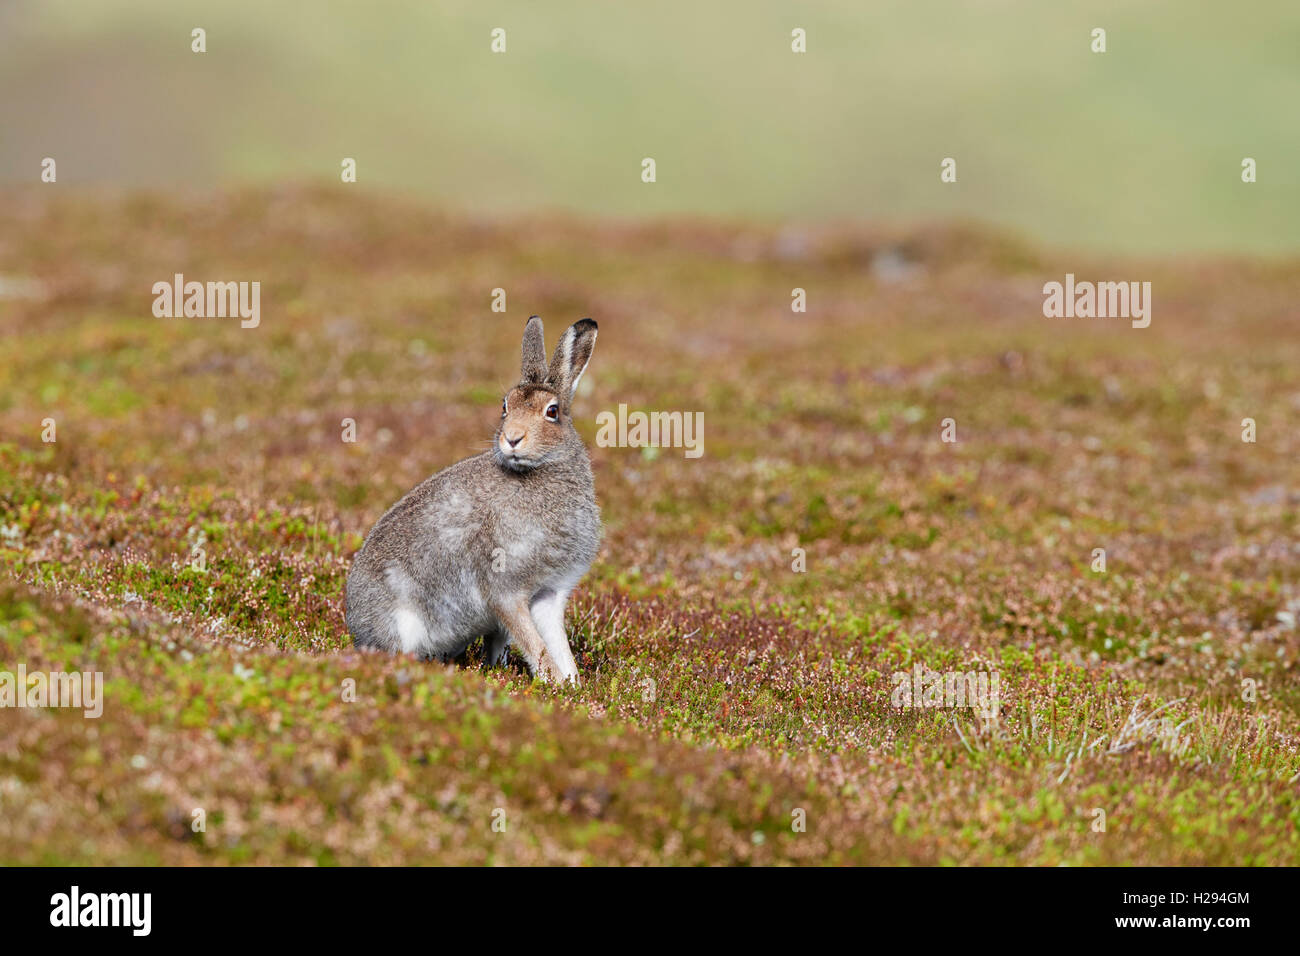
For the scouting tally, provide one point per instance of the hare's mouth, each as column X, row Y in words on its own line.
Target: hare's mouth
column 516, row 462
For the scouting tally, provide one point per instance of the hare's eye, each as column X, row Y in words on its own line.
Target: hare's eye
column 553, row 412
column 503, row 408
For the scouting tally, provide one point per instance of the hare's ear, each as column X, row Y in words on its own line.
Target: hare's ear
column 572, row 353
column 533, row 369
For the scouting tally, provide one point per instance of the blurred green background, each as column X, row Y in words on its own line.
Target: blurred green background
column 1135, row 150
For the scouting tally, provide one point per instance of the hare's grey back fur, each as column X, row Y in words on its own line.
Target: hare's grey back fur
column 490, row 546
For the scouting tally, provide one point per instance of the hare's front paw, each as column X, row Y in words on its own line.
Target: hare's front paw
column 550, row 672
column 554, row 673
column 545, row 671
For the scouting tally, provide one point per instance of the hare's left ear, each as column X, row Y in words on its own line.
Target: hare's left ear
column 532, row 370
column 572, row 353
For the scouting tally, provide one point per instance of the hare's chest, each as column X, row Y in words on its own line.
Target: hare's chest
column 559, row 549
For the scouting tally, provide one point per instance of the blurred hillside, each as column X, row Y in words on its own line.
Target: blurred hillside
column 1136, row 150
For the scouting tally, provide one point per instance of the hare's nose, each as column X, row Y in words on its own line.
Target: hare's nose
column 514, row 441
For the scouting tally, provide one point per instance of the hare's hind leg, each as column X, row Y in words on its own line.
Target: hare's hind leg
column 516, row 620
column 548, row 612
column 494, row 647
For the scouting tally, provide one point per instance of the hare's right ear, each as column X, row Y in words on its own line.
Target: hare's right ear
column 533, row 371
column 572, row 353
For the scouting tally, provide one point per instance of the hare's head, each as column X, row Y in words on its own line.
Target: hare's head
column 536, row 424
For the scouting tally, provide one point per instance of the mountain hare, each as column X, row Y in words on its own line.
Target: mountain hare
column 492, row 545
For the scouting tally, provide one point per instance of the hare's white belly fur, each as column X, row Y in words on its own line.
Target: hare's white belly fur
column 438, row 624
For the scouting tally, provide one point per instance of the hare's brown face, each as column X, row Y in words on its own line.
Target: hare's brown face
column 532, row 427
column 535, row 415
